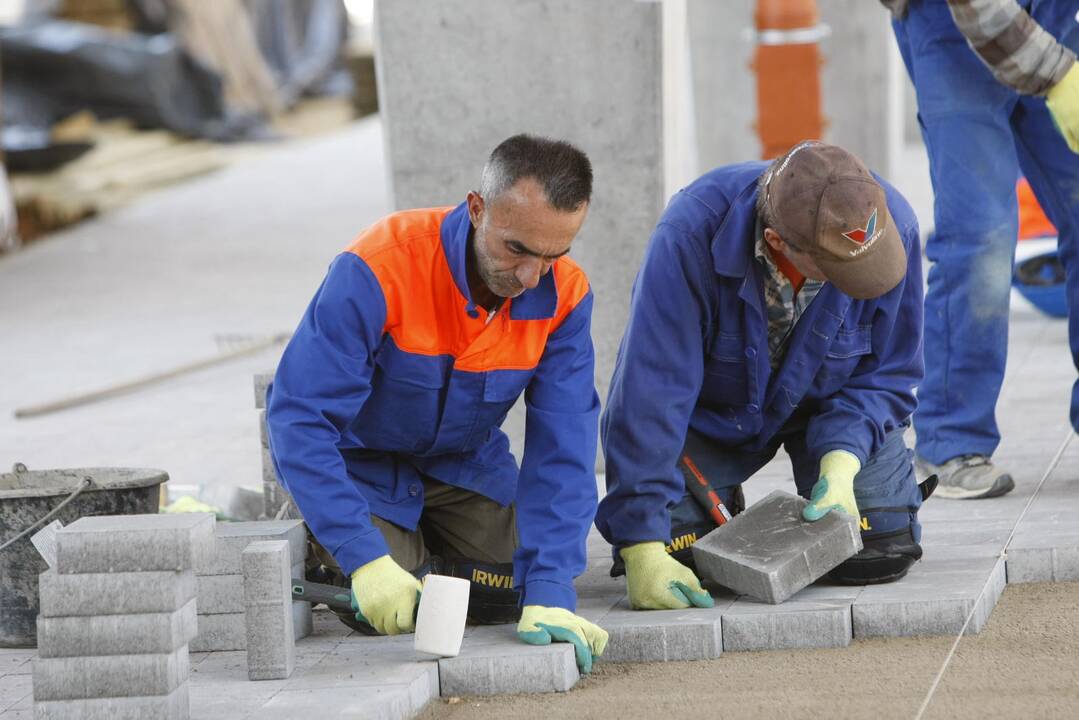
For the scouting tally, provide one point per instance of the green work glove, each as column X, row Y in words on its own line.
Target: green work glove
column 540, row 625
column 385, row 596
column 657, row 581
column 1063, row 103
column 835, row 488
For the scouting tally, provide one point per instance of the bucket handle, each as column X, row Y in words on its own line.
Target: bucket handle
column 86, row 482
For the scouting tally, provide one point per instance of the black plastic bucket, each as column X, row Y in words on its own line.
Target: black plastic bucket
column 26, row 496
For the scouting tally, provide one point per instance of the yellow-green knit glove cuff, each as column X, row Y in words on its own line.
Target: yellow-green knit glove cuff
column 1063, row 103
column 835, row 487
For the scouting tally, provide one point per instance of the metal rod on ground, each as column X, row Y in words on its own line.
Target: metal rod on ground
column 139, row 383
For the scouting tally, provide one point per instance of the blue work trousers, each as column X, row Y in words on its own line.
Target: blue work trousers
column 885, row 488
column 979, row 135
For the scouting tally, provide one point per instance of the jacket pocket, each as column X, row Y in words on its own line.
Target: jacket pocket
column 403, row 409
column 847, row 350
column 725, row 368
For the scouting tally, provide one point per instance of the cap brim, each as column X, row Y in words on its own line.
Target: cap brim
column 874, row 273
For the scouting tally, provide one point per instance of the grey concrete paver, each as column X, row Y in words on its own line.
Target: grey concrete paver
column 109, row 676
column 234, row 537
column 508, row 666
column 135, row 543
column 769, row 552
column 171, row 706
column 271, row 642
column 16, row 691
column 220, row 632
column 114, row 593
column 932, row 599
column 116, row 634
column 807, row 619
column 16, row 661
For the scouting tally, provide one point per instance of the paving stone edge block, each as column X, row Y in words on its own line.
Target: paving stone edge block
column 262, row 381
column 131, row 634
column 114, row 593
column 223, row 632
column 509, row 669
column 174, row 706
column 232, row 538
column 224, row 594
column 634, row 639
column 810, row 628
column 930, row 616
column 1043, row 564
column 78, row 678
column 135, row 543
column 267, row 582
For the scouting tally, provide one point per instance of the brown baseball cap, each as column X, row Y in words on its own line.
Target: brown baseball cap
column 824, row 202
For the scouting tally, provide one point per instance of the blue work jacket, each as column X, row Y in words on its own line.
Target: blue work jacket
column 695, row 354
column 394, row 374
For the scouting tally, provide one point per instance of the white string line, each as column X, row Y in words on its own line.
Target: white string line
column 1002, row 556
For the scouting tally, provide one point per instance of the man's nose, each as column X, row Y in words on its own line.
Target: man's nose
column 529, row 272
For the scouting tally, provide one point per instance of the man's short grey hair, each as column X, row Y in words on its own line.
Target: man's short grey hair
column 564, row 171
column 764, row 213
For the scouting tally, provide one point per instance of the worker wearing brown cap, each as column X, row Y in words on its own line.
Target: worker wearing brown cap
column 778, row 305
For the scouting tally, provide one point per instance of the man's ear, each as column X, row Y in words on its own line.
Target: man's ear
column 774, row 241
column 475, row 207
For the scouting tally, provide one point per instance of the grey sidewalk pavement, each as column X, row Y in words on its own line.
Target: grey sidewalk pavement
column 241, row 252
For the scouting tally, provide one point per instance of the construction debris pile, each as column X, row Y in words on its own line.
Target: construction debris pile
column 153, row 84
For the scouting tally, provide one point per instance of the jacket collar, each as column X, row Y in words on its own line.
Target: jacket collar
column 539, row 303
column 732, row 258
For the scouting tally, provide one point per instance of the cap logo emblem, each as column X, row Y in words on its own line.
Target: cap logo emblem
column 859, row 235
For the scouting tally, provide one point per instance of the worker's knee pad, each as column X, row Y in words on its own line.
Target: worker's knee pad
column 889, row 548
column 491, row 599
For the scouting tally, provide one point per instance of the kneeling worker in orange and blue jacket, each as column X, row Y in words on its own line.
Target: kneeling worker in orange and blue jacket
column 777, row 305
column 385, row 410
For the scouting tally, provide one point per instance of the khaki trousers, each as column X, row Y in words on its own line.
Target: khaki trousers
column 456, row 524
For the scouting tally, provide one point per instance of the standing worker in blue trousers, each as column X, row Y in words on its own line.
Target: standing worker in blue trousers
column 998, row 92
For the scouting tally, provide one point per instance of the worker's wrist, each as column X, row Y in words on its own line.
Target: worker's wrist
column 643, row 549
column 1070, row 78
column 372, row 565
column 840, row 465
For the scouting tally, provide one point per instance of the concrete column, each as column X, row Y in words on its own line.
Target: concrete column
column 857, row 80
column 456, row 77
column 724, row 87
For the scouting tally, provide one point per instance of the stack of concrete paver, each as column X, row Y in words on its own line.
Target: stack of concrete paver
column 117, row 613
column 273, row 494
column 221, row 583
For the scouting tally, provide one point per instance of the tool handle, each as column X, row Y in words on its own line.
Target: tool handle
column 334, row 597
column 702, row 492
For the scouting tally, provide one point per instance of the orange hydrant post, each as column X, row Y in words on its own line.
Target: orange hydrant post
column 788, row 63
